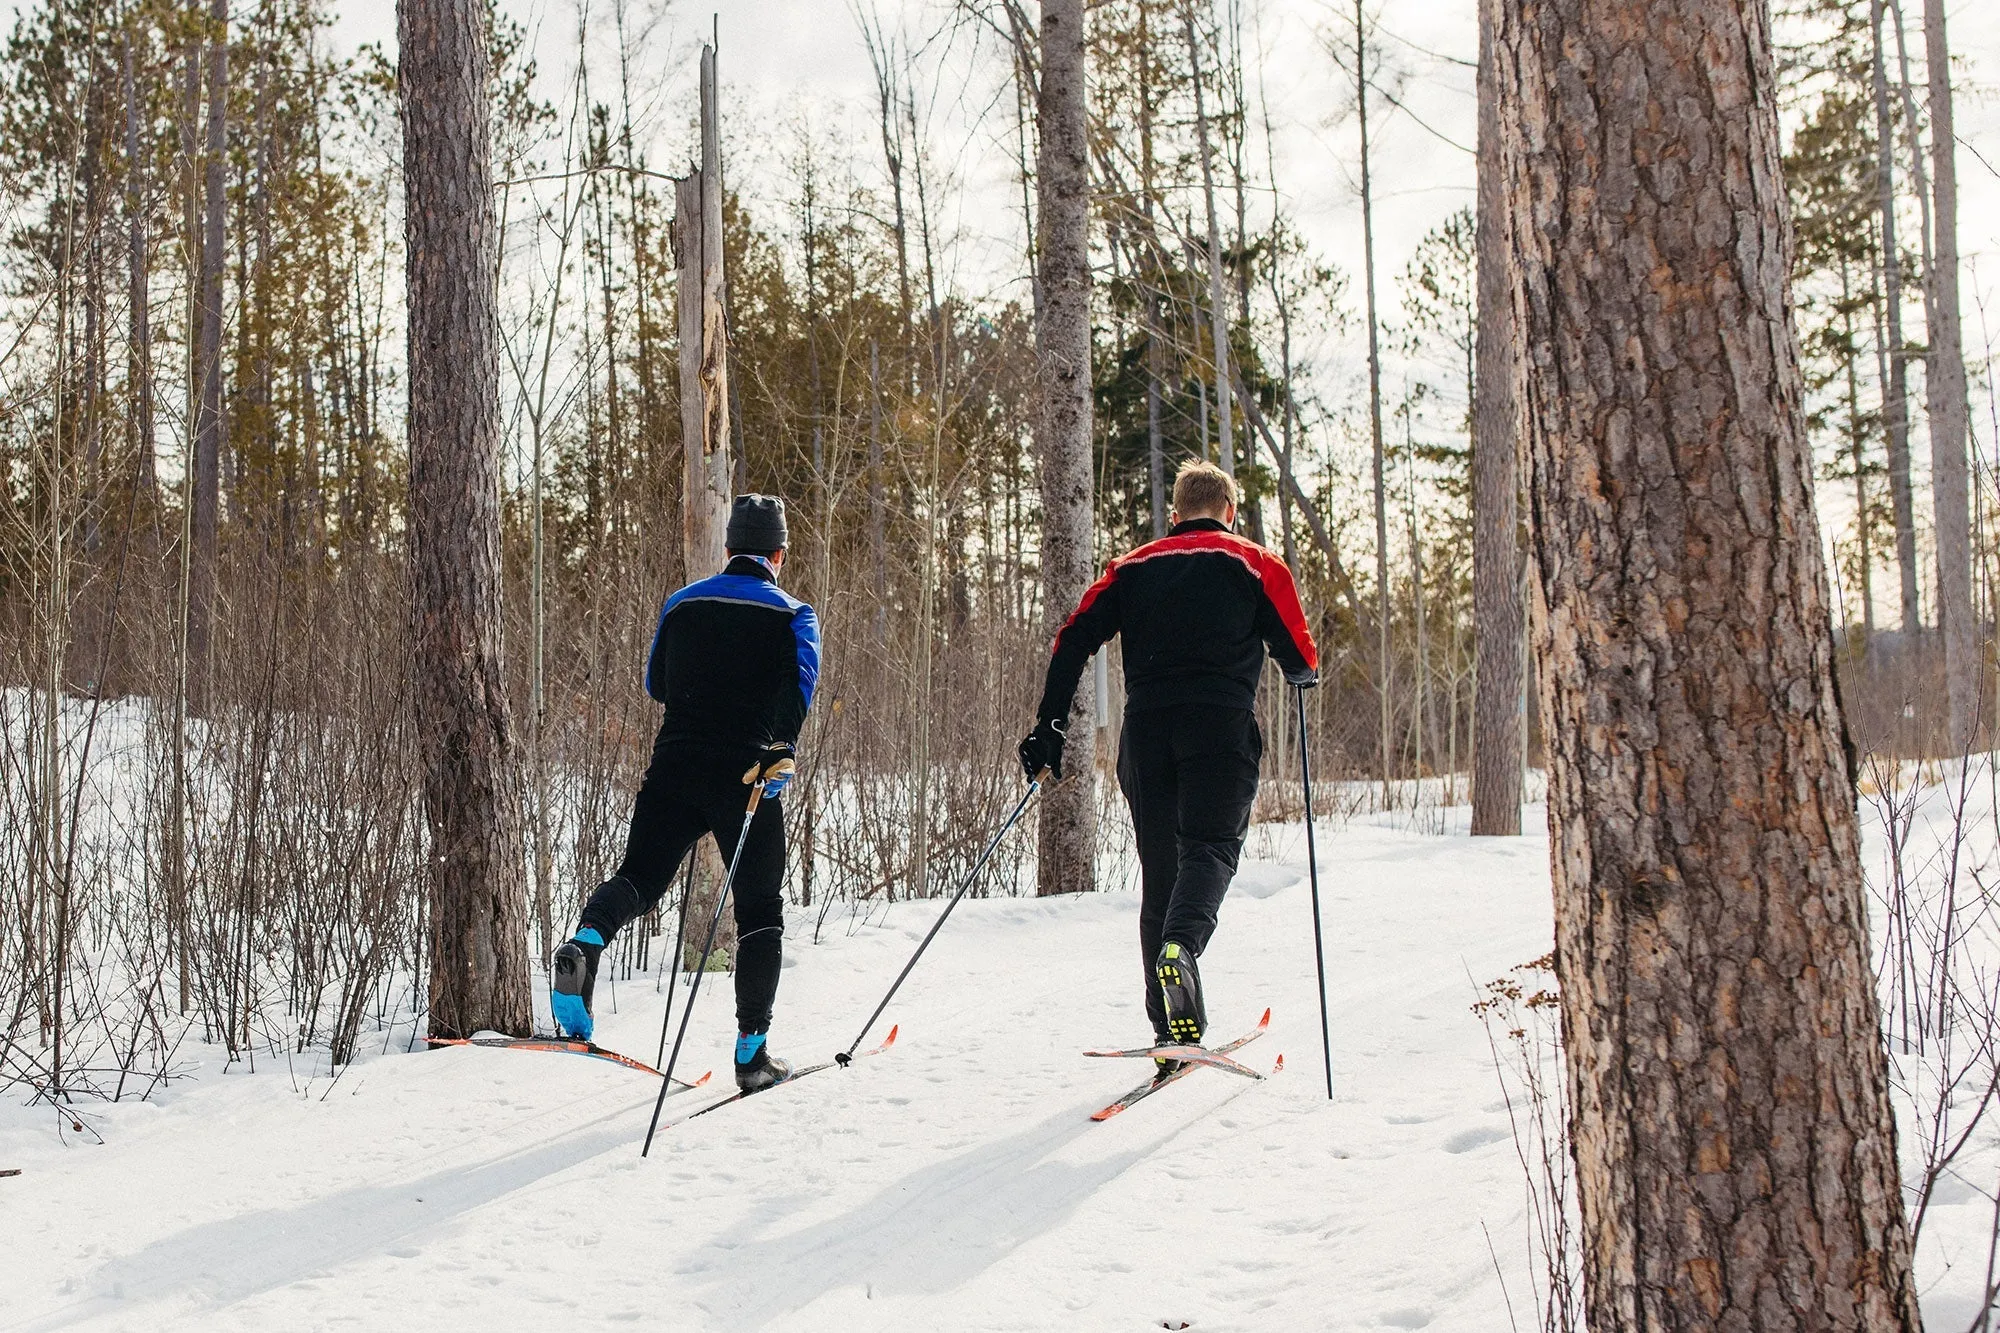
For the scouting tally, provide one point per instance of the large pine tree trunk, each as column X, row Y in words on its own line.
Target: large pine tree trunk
column 1496, row 554
column 1062, row 425
column 1945, row 385
column 1735, row 1149
column 478, row 936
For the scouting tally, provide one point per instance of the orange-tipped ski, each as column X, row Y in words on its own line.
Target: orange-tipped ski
column 796, row 1075
column 1152, row 1086
column 564, row 1046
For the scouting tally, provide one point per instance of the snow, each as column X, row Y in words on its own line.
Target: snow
column 956, row 1182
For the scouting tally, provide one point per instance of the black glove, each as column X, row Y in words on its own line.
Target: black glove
column 768, row 759
column 1043, row 748
column 1303, row 680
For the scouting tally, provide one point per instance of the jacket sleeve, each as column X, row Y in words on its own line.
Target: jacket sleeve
column 1282, row 623
column 656, row 663
column 1090, row 627
column 792, row 707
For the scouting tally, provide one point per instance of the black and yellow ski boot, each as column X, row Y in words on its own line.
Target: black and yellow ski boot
column 1163, row 1066
column 1180, row 988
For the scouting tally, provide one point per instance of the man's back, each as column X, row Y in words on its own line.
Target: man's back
column 735, row 660
column 1196, row 610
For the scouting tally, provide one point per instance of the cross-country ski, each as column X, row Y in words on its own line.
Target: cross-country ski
column 564, row 1046
column 1179, row 1067
column 793, row 1077
column 1173, row 1055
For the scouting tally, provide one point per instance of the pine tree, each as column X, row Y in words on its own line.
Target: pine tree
column 1734, row 1140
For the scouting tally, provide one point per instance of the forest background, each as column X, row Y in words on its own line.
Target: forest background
column 201, row 208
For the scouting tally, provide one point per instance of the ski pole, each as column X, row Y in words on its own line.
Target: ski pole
column 680, row 936
column 715, row 924
column 1312, row 872
column 1035, row 785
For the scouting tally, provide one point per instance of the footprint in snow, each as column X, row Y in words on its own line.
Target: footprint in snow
column 1468, row 1139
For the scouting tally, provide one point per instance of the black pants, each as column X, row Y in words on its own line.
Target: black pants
column 691, row 790
column 1189, row 774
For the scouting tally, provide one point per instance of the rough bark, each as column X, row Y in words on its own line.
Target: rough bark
column 1945, row 386
column 478, row 900
column 708, row 483
column 1735, row 1148
column 1496, row 440
column 1896, row 397
column 1068, row 832
column 707, row 487
column 208, row 367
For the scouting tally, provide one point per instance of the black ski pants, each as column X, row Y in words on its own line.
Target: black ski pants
column 1189, row 774
column 690, row 790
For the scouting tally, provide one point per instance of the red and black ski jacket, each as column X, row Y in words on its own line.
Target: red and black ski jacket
column 1197, row 609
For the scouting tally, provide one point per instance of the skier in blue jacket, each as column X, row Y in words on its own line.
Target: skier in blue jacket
column 735, row 660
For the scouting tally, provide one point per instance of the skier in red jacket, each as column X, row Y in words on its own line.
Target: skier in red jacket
column 1197, row 610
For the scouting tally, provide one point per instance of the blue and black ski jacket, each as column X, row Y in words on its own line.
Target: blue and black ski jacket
column 735, row 660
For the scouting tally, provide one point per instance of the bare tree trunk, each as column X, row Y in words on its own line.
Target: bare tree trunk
column 1496, row 430
column 1945, row 387
column 140, row 285
column 708, row 483
column 882, row 58
column 1062, row 427
column 878, row 524
column 1896, row 396
column 1735, row 1148
column 704, row 346
column 1156, row 455
column 1218, row 313
column 1374, row 398
column 1420, row 672
column 478, row 934
column 208, row 362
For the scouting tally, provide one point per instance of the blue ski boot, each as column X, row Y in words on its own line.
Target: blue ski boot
column 756, row 1068
column 572, row 977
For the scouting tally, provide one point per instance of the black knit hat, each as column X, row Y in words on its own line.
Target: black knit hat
column 756, row 523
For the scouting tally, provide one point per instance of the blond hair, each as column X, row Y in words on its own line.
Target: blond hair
column 1202, row 490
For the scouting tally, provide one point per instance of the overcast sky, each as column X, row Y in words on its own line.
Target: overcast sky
column 787, row 59
column 782, row 52
column 784, row 60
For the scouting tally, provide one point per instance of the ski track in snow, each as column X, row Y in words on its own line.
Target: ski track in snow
column 955, row 1182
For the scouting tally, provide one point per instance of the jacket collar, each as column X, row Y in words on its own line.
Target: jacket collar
column 753, row 565
column 1197, row 525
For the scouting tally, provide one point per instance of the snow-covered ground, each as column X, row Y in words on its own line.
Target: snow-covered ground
column 954, row 1183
